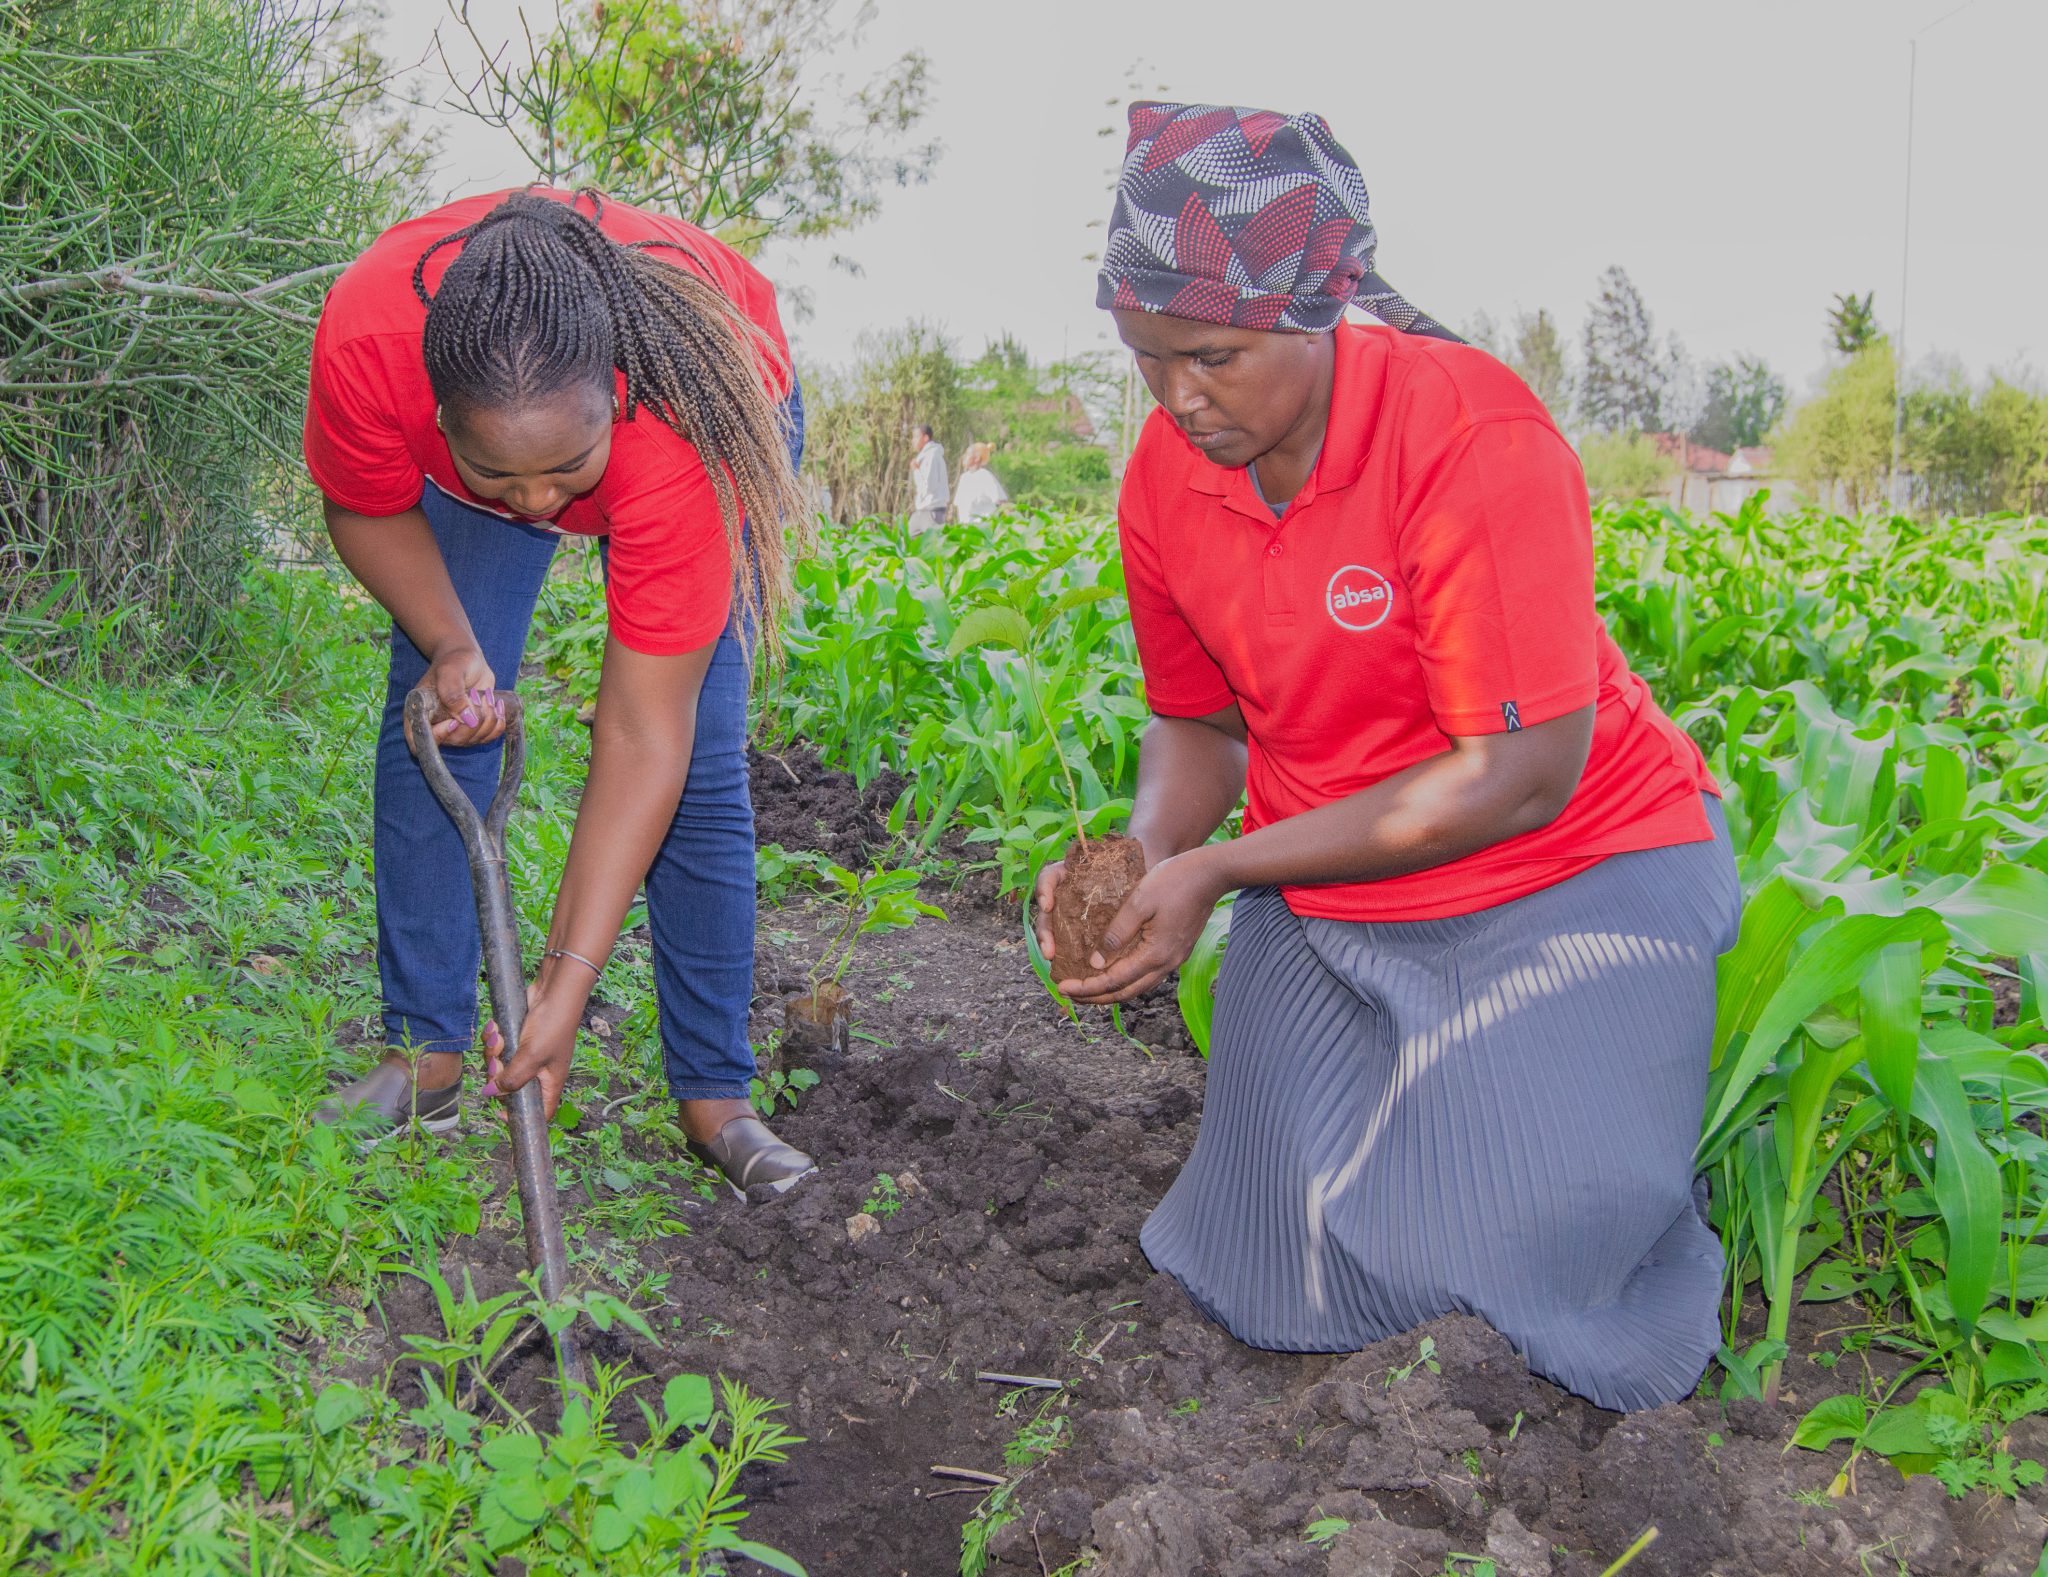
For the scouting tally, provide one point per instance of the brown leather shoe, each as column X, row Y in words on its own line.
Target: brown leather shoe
column 749, row 1156
column 385, row 1100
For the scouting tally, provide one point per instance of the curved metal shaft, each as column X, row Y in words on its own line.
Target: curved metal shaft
column 483, row 838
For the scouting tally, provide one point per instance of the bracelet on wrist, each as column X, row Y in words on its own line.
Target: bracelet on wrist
column 563, row 952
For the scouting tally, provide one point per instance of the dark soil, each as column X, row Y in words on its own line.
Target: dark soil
column 1026, row 1149
column 1097, row 879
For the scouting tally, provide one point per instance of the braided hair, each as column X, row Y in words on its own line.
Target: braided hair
column 540, row 300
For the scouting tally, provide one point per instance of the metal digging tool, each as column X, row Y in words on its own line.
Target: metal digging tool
column 483, row 838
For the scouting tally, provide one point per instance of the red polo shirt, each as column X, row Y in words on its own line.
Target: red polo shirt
column 1433, row 578
column 372, row 445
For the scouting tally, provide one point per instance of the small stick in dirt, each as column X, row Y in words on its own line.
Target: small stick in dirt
column 1643, row 1541
column 972, row 1475
column 1037, row 1382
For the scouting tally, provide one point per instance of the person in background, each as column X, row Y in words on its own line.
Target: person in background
column 486, row 377
column 980, row 493
column 1464, row 1019
column 928, row 478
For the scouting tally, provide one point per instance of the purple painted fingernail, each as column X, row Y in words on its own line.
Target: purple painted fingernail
column 468, row 718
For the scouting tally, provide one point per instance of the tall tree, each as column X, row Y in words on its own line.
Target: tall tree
column 1851, row 323
column 1482, row 330
column 1538, row 354
column 1744, row 401
column 693, row 106
column 1622, row 368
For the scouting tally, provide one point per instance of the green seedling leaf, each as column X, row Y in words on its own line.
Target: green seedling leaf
column 773, row 1559
column 1834, row 1418
column 513, row 1453
column 338, row 1405
column 995, row 626
column 680, row 1480
column 686, row 1401
column 611, row 1529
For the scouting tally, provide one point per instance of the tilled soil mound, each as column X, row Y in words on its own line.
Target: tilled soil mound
column 1026, row 1149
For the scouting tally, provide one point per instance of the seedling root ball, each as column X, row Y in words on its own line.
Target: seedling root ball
column 1099, row 876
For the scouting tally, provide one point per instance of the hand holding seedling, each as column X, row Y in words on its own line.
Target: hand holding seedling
column 1161, row 923
column 465, row 694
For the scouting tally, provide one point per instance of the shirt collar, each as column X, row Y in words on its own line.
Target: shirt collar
column 1357, row 391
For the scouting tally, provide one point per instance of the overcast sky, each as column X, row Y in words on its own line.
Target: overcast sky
column 1742, row 161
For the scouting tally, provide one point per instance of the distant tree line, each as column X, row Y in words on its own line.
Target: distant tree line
column 1964, row 446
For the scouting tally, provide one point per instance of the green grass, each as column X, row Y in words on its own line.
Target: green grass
column 185, row 932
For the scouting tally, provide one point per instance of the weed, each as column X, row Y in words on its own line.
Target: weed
column 884, row 1199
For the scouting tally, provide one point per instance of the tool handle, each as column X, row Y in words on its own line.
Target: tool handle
column 483, row 839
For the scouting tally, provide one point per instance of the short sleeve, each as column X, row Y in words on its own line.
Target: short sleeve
column 1496, row 547
column 1181, row 679
column 668, row 580
column 355, row 452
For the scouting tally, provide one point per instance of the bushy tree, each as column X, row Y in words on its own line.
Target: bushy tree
column 1622, row 368
column 1623, row 466
column 183, row 177
column 693, row 107
column 1744, row 401
column 1842, row 438
column 1977, row 449
column 858, row 417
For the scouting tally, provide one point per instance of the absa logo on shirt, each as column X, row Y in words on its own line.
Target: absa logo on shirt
column 1359, row 598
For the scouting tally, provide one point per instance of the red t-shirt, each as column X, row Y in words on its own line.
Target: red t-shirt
column 372, row 446
column 1433, row 578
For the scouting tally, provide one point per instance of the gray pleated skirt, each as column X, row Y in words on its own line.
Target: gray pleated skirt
column 1492, row 1114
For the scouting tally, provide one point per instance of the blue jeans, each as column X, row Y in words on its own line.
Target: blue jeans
column 700, row 888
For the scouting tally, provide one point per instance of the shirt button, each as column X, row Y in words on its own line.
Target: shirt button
column 1274, row 550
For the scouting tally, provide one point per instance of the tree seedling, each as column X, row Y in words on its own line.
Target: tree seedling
column 879, row 899
column 1100, row 873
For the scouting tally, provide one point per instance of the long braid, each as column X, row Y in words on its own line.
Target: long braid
column 540, row 300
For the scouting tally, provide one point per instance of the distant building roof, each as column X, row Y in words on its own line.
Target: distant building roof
column 1694, row 457
column 1752, row 461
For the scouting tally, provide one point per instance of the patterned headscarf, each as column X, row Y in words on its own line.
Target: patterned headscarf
column 1244, row 217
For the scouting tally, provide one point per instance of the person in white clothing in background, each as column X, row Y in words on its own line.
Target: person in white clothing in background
column 928, row 474
column 980, row 493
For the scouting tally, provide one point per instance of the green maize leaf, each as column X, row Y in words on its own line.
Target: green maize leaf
column 1198, row 977
column 1890, row 1003
column 994, row 626
column 1751, row 970
column 2003, row 909
column 1831, row 966
column 1966, row 1187
column 1944, row 785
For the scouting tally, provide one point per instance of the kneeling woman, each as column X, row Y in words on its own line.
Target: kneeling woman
column 1463, row 1021
column 489, row 376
